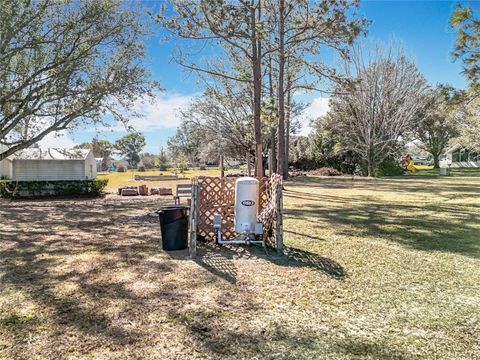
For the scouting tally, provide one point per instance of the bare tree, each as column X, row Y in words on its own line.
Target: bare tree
column 63, row 64
column 379, row 104
column 223, row 116
column 469, row 127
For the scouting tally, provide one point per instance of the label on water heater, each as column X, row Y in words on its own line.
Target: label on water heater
column 248, row 202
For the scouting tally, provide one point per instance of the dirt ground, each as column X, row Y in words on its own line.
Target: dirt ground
column 86, row 278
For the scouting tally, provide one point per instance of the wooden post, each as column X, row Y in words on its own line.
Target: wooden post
column 222, row 172
column 270, row 162
column 249, row 167
column 279, row 234
column 192, row 245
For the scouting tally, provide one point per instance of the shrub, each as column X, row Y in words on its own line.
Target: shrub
column 389, row 167
column 182, row 167
column 326, row 171
column 141, row 168
column 33, row 189
column 6, row 188
column 121, row 168
column 346, row 162
column 98, row 186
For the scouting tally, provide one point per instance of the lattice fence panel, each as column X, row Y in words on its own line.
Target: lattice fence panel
column 217, row 195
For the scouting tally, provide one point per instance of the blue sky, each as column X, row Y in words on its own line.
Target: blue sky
column 422, row 27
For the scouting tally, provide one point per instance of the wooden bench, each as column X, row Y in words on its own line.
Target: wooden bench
column 183, row 190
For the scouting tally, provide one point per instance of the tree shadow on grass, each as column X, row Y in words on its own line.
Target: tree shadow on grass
column 214, row 334
column 220, row 260
column 31, row 275
column 404, row 184
column 308, row 236
column 37, row 258
column 104, row 255
column 358, row 348
column 219, row 265
column 38, row 240
column 301, row 258
column 440, row 226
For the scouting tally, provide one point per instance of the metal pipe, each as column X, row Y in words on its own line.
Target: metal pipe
column 217, row 226
column 247, row 242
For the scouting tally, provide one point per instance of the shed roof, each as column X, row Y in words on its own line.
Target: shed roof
column 51, row 154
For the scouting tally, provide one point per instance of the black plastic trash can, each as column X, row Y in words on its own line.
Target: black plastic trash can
column 174, row 227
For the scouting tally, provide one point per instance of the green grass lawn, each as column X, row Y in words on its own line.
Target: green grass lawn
column 374, row 269
column 410, row 248
column 117, row 179
column 429, row 171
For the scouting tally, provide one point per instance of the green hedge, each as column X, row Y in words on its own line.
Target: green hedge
column 389, row 167
column 31, row 189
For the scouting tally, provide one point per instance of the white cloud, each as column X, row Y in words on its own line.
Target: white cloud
column 317, row 108
column 163, row 112
column 56, row 140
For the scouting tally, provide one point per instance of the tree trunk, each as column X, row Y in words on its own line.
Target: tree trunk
column 371, row 168
column 287, row 129
column 257, row 91
column 270, row 161
column 436, row 161
column 222, row 171
column 281, row 93
column 371, row 162
column 273, row 143
column 273, row 128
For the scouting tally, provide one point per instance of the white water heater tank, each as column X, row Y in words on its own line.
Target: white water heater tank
column 246, row 204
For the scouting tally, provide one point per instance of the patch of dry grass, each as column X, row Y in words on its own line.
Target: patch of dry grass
column 374, row 269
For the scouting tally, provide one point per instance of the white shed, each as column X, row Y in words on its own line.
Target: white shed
column 49, row 164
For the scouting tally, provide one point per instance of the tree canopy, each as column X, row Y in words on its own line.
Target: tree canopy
column 68, row 63
column 101, row 148
column 130, row 146
column 438, row 122
column 467, row 45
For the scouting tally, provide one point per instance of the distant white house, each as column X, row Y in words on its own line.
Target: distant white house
column 459, row 157
column 34, row 164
